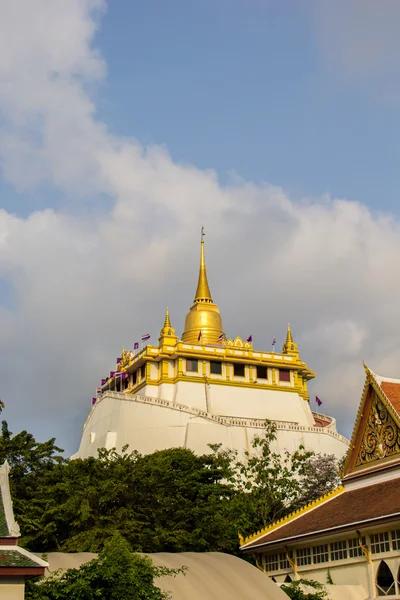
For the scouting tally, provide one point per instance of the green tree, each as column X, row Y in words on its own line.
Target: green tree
column 169, row 501
column 267, row 484
column 117, row 574
column 295, row 590
column 31, row 463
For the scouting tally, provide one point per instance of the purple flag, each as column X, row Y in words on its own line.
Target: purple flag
column 274, row 341
column 136, row 345
column 94, row 401
column 250, row 338
column 112, row 373
column 318, row 401
column 104, row 381
column 119, row 360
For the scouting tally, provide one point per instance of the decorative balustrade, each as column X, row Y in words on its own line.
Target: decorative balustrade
column 222, row 420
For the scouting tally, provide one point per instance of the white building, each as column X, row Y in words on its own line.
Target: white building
column 352, row 535
column 203, row 388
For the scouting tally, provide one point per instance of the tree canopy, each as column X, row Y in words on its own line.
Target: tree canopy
column 117, row 574
column 168, row 501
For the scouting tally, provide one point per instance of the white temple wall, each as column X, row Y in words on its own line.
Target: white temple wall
column 259, row 404
column 235, row 401
column 146, row 427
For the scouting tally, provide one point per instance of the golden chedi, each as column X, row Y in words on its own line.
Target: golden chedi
column 203, row 323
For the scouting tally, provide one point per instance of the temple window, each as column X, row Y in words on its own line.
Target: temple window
column 339, row 550
column 396, row 539
column 380, row 542
column 303, row 556
column 192, row 365
column 262, row 373
column 284, row 375
column 283, row 559
column 385, row 585
column 216, row 367
column 238, row 370
column 355, row 548
column 320, row 554
column 271, row 562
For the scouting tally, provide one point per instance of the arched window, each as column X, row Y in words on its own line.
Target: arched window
column 288, row 579
column 384, row 581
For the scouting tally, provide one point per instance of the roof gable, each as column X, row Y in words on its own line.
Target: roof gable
column 376, row 434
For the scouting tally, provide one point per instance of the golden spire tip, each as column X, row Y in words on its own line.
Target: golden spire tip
column 203, row 293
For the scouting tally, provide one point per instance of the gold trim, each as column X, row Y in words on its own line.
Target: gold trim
column 292, row 516
column 355, row 441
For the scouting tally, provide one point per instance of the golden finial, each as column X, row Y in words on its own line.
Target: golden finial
column 167, row 333
column 203, row 293
column 203, row 322
column 167, row 321
column 289, row 346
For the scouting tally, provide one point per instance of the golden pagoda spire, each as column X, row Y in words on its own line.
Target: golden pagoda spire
column 289, row 347
column 203, row 322
column 203, row 293
column 167, row 333
column 167, row 321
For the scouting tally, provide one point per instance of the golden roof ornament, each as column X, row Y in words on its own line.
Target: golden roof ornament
column 167, row 333
column 289, row 347
column 203, row 293
column 203, row 322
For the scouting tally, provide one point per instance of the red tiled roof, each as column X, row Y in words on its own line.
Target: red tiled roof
column 392, row 392
column 362, row 504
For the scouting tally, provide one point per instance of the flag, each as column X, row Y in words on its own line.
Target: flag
column 119, row 360
column 221, row 337
column 121, row 374
column 112, row 373
column 94, row 401
column 99, row 390
column 250, row 338
column 274, row 341
column 318, row 401
column 145, row 337
column 136, row 345
column 104, row 381
column 199, row 336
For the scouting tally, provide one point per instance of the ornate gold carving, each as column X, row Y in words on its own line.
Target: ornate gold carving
column 381, row 438
column 126, row 360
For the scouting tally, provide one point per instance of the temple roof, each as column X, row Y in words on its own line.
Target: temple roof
column 375, row 440
column 340, row 511
column 374, row 447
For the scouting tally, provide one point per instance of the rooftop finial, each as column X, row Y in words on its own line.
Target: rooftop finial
column 289, row 346
column 167, row 321
column 167, row 332
column 203, row 293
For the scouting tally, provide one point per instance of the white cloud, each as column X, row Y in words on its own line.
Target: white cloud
column 86, row 283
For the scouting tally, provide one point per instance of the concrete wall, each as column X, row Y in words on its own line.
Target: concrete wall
column 12, row 588
column 115, row 422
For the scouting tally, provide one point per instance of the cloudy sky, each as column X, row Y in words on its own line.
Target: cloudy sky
column 126, row 126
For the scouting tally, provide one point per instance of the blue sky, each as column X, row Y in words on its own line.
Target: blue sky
column 241, row 86
column 125, row 126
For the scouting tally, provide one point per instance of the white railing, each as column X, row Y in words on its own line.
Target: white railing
column 228, row 421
